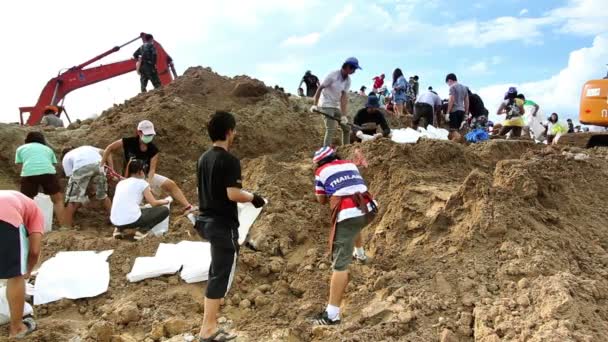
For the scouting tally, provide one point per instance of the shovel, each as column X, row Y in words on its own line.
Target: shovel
column 353, row 127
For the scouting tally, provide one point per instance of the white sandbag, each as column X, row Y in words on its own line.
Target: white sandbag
column 535, row 123
column 247, row 216
column 196, row 257
column 46, row 206
column 437, row 133
column 5, row 315
column 405, row 136
column 163, row 227
column 151, row 267
column 72, row 275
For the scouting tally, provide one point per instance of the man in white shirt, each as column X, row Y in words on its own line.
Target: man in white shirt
column 331, row 99
column 82, row 165
column 427, row 106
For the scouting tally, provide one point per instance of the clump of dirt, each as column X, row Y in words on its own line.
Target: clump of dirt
column 499, row 241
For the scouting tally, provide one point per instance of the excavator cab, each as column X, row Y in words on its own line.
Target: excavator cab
column 594, row 109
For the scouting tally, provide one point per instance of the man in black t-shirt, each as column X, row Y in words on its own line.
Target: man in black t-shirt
column 142, row 148
column 369, row 118
column 219, row 190
column 312, row 83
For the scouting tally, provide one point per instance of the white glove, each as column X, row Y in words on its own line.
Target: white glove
column 314, row 109
column 367, row 137
column 169, row 199
column 360, row 134
column 378, row 135
column 344, row 120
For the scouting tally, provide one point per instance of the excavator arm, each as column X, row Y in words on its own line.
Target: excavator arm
column 77, row 77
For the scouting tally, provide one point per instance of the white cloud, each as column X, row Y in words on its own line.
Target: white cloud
column 305, row 40
column 272, row 72
column 561, row 92
column 585, row 17
column 479, row 68
column 502, row 29
column 523, row 12
column 495, row 60
column 339, row 18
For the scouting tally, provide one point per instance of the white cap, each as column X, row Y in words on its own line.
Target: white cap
column 146, row 127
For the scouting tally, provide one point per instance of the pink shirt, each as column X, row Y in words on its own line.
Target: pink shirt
column 18, row 209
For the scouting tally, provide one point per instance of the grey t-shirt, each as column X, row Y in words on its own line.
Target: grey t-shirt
column 51, row 120
column 459, row 92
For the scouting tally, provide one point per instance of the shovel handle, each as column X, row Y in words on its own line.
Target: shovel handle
column 352, row 126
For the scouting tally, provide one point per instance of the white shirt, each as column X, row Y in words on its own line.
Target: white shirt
column 79, row 157
column 333, row 86
column 430, row 98
column 127, row 198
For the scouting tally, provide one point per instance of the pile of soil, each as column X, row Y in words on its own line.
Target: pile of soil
column 499, row 241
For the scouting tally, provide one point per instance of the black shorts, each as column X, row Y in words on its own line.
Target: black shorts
column 423, row 110
column 224, row 251
column 456, row 119
column 48, row 182
column 14, row 250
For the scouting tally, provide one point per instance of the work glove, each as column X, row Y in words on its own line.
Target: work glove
column 314, row 109
column 258, row 201
column 344, row 120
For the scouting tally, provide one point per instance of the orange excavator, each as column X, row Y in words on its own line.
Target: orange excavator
column 593, row 111
column 77, row 77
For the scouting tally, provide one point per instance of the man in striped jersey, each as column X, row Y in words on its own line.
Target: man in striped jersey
column 339, row 183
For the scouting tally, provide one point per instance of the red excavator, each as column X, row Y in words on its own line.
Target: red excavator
column 77, row 77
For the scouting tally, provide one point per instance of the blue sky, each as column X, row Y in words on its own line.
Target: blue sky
column 546, row 48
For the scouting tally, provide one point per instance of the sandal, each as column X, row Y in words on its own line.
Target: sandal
column 30, row 324
column 189, row 209
column 118, row 234
column 220, row 336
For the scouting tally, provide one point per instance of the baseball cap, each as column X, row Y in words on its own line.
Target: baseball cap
column 352, row 61
column 372, row 102
column 146, row 127
column 322, row 153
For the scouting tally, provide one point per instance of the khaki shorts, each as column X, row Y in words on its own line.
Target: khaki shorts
column 76, row 191
column 156, row 183
column 344, row 242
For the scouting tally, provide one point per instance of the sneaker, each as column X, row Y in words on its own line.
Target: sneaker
column 322, row 319
column 139, row 236
column 357, row 257
column 118, row 234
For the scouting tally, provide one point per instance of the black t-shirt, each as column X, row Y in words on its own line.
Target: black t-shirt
column 363, row 118
column 131, row 150
column 476, row 106
column 311, row 82
column 218, row 170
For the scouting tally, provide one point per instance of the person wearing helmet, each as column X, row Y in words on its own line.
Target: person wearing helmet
column 51, row 117
column 339, row 183
column 312, row 84
column 513, row 108
column 331, row 99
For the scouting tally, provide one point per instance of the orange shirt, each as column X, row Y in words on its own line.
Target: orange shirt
column 18, row 209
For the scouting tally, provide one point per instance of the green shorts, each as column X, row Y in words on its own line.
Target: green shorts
column 344, row 242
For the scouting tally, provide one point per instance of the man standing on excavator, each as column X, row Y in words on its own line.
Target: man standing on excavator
column 146, row 61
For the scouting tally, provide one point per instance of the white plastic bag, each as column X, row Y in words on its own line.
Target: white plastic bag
column 163, row 227
column 5, row 316
column 72, row 275
column 405, row 136
column 46, row 205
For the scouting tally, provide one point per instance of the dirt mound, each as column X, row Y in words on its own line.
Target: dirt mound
column 499, row 241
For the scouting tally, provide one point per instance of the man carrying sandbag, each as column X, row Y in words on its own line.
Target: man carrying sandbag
column 219, row 191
